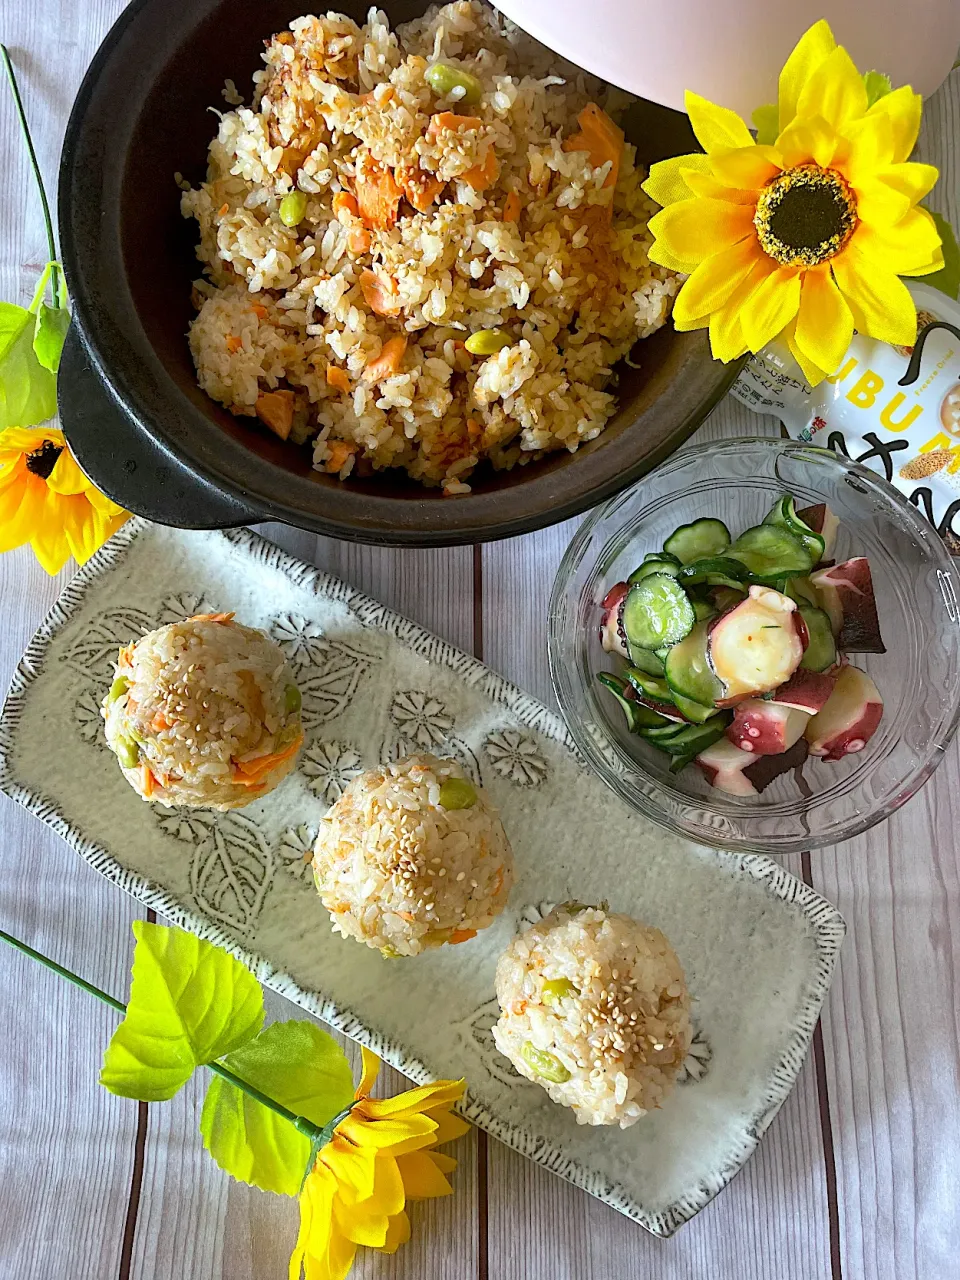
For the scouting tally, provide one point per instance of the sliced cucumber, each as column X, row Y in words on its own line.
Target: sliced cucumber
column 645, row 660
column 655, row 564
column 771, row 551
column 821, row 652
column 784, row 513
column 697, row 737
column 693, row 711
column 657, row 612
column 702, row 610
column 715, row 571
column 803, row 591
column 687, row 671
column 664, row 733
column 650, row 686
column 697, row 540
column 618, row 688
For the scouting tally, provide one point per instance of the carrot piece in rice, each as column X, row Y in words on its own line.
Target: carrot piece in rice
column 250, row 772
column 380, row 295
column 338, row 378
column 345, row 207
column 233, row 343
column 340, row 451
column 388, row 361
column 275, row 410
column 449, row 120
column 601, row 138
column 420, row 186
column 462, row 935
column 378, row 196
column 511, row 208
column 147, row 781
column 483, row 175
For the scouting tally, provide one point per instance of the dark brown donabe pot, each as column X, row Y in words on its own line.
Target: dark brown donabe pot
column 138, row 423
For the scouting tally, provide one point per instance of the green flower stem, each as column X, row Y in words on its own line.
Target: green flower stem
column 48, row 222
column 318, row 1134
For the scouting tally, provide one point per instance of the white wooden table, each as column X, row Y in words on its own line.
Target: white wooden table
column 858, row 1177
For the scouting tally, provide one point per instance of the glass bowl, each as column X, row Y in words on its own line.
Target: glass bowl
column 917, row 592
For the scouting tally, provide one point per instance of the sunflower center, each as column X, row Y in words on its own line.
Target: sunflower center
column 805, row 216
column 42, row 461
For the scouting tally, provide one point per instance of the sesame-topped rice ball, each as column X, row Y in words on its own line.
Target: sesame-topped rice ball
column 203, row 712
column 411, row 856
column 594, row 1008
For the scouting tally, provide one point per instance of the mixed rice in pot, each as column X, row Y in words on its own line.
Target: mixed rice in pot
column 422, row 248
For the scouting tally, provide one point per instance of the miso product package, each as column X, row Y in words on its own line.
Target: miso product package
column 893, row 409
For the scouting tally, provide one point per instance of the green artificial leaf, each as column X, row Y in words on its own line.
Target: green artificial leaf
column 877, row 86
column 49, row 335
column 766, row 121
column 28, row 391
column 296, row 1064
column 190, row 1002
column 947, row 279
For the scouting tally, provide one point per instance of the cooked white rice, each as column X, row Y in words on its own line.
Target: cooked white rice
column 399, row 870
column 284, row 308
column 203, row 712
column 594, row 1008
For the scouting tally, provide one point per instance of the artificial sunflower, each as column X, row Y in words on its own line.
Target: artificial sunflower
column 807, row 235
column 46, row 500
column 377, row 1160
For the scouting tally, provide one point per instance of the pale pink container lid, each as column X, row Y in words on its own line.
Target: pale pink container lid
column 731, row 51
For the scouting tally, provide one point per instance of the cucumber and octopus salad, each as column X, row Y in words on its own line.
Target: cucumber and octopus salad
column 736, row 648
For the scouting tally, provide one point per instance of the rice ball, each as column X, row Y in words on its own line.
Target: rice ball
column 594, row 1007
column 412, row 856
column 203, row 712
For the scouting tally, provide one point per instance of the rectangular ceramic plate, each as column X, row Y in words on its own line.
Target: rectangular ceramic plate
column 757, row 945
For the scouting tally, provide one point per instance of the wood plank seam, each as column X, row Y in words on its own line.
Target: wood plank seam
column 826, row 1127
column 482, row 1233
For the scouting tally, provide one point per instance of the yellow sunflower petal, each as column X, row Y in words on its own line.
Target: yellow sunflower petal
column 27, row 439
column 746, row 168
column 713, row 282
column 366, row 1221
column 449, row 1128
column 445, row 1163
column 726, row 330
column 913, row 181
column 394, row 1135
column 352, row 1166
column 370, row 1069
column 812, row 372
column 313, row 1237
column 911, row 247
column 114, row 523
column 880, row 301
column 879, row 204
column 902, row 108
column 824, row 328
column 24, row 509
column 812, row 139
column 870, row 147
column 423, row 1098
column 81, row 527
column 813, row 48
column 715, row 127
column 834, row 90
column 398, row 1233
column 66, row 477
column 770, row 307
column 667, row 181
column 422, row 1180
column 705, row 184
column 695, row 229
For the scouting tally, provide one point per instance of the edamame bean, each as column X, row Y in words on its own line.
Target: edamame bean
column 487, row 342
column 292, row 208
column 128, row 753
column 292, row 699
column 457, row 793
column 118, row 688
column 446, row 81
column 556, row 989
column 544, row 1064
